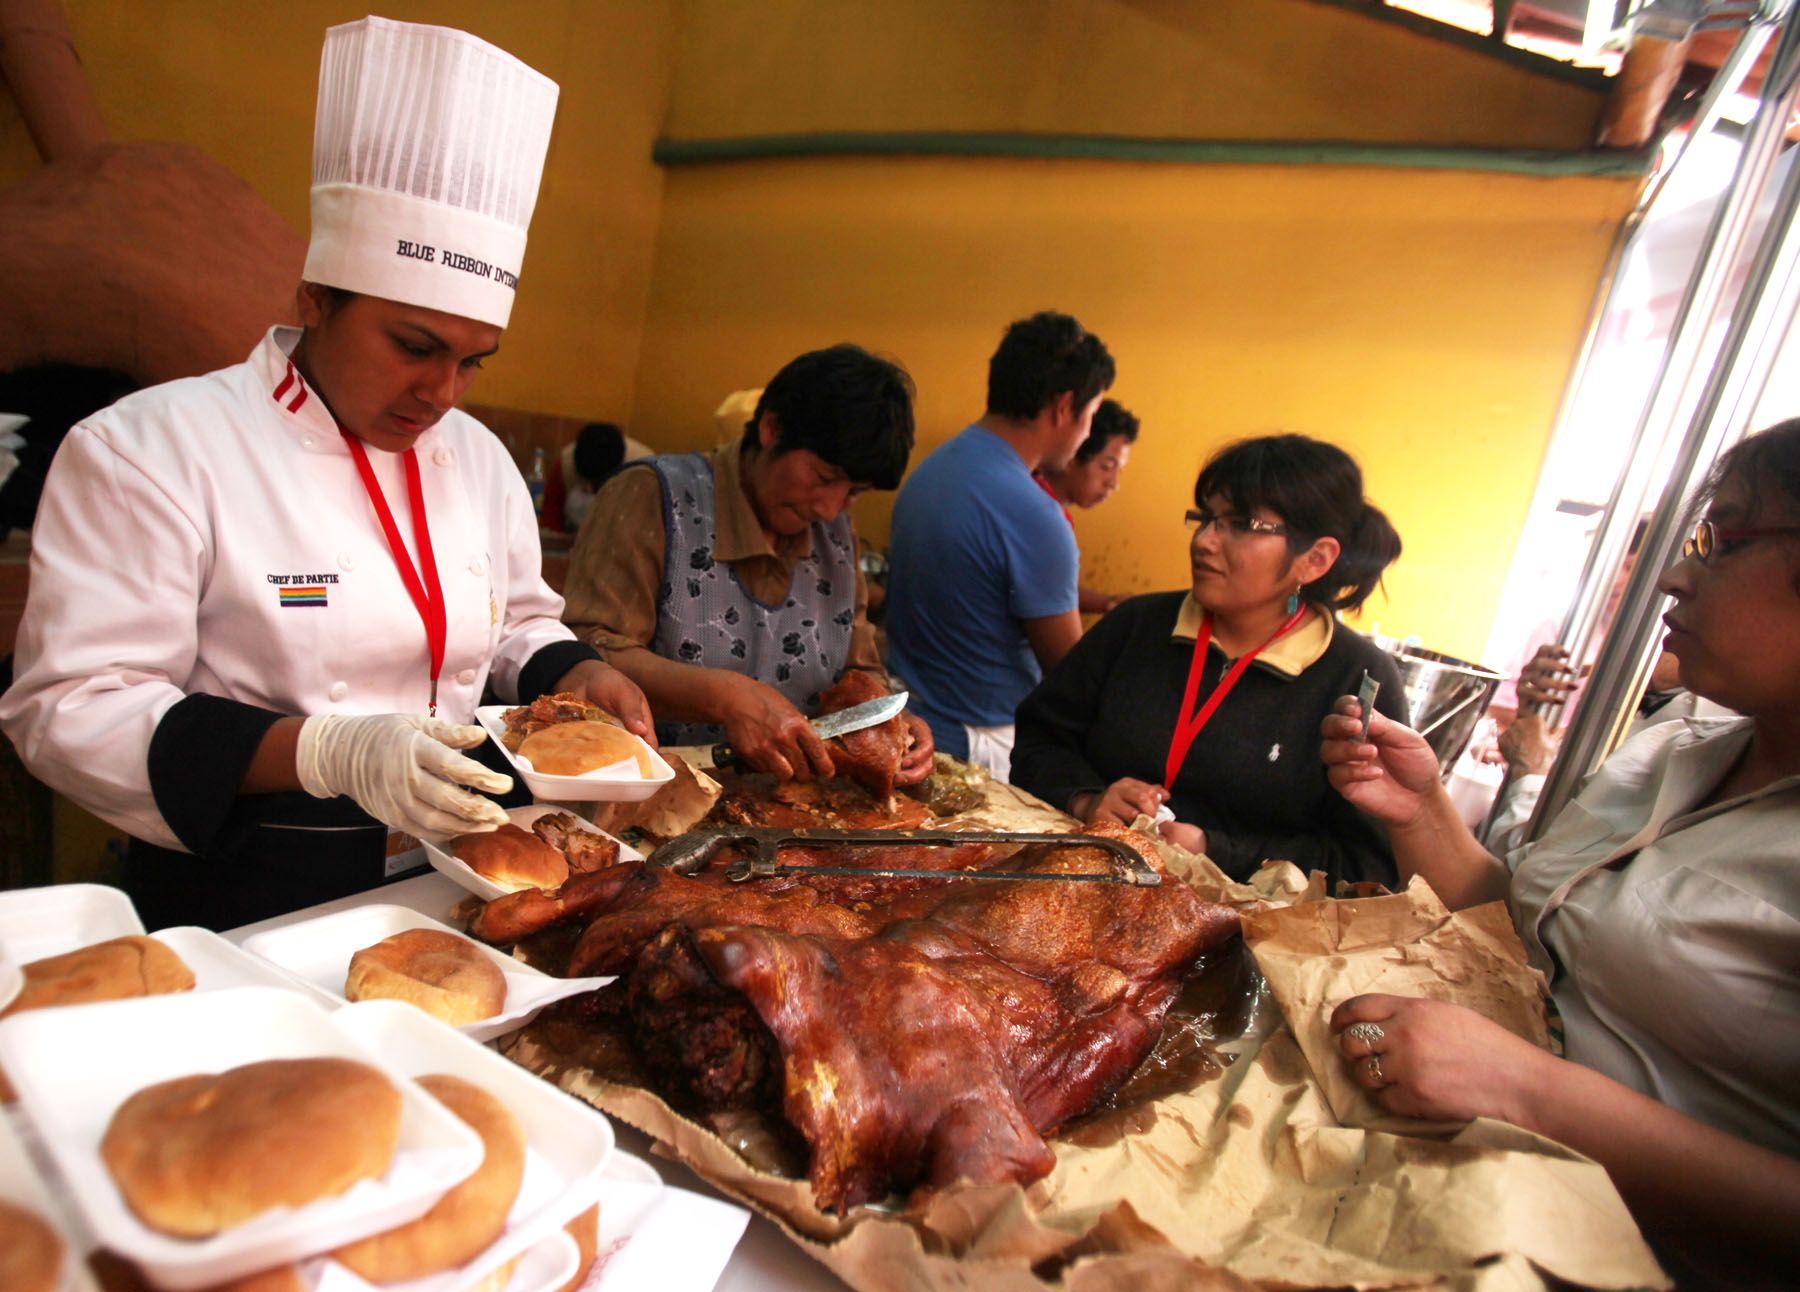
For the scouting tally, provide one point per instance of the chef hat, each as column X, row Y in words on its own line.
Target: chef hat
column 427, row 151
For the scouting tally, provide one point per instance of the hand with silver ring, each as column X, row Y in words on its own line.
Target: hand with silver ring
column 1443, row 1062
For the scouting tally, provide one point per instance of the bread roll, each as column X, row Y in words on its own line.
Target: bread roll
column 114, row 970
column 512, row 858
column 447, row 976
column 572, row 748
column 585, row 1230
column 496, row 1280
column 123, row 967
column 31, row 1253
column 466, row 1220
column 283, row 1278
column 116, row 1274
column 199, row 1154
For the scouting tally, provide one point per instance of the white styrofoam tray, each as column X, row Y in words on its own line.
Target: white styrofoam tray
column 94, row 917
column 36, row 923
column 74, row 1067
column 651, row 1235
column 12, row 978
column 619, row 782
column 219, row 965
column 318, row 952
column 547, row 1264
column 567, row 1142
column 21, row 1185
column 522, row 817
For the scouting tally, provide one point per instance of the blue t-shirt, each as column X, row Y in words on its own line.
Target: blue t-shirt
column 977, row 547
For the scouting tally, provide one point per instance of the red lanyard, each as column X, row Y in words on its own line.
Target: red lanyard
column 429, row 595
column 1186, row 727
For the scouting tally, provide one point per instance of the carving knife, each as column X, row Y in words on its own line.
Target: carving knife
column 870, row 713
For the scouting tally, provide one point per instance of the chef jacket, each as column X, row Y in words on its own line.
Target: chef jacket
column 1671, row 930
column 206, row 561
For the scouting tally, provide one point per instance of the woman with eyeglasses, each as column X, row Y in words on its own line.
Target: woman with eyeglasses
column 1201, row 707
column 1663, row 904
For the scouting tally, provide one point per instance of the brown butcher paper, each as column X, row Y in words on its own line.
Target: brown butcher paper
column 1267, row 1173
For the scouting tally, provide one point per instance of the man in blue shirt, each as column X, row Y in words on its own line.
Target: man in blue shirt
column 982, row 594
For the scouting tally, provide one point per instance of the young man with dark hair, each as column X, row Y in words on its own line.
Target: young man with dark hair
column 1092, row 476
column 727, row 584
column 982, row 595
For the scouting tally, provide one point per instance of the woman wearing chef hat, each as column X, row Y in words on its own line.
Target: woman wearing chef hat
column 266, row 602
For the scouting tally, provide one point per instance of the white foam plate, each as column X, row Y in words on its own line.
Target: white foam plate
column 12, row 979
column 74, row 1067
column 40, row 922
column 618, row 783
column 548, row 1264
column 567, row 1142
column 219, row 965
column 23, row 1186
column 651, row 1235
column 318, row 952
column 216, row 963
column 522, row 817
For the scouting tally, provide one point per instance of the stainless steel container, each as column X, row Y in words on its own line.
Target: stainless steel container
column 1445, row 698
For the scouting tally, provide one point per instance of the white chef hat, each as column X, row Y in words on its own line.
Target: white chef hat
column 427, row 151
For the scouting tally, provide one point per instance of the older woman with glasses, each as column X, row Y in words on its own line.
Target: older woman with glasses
column 1663, row 904
column 1201, row 707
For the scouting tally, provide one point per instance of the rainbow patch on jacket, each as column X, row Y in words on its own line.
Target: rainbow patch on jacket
column 306, row 595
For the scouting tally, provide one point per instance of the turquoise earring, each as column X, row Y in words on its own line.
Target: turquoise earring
column 1293, row 606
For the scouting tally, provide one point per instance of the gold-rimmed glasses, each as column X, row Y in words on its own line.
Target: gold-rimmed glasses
column 1708, row 542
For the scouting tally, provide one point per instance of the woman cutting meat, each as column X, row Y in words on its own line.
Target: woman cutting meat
column 1208, row 701
column 266, row 602
column 1663, row 904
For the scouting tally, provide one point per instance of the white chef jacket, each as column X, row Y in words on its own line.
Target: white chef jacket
column 170, row 527
column 1672, row 933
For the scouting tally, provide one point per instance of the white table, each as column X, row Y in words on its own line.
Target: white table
column 764, row 1258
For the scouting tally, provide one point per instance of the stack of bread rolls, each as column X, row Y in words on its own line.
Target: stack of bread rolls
column 199, row 1154
column 31, row 1252
column 116, row 969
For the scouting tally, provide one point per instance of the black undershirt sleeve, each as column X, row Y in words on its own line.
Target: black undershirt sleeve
column 198, row 756
column 545, row 668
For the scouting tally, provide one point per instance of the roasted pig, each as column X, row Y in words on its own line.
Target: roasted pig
column 911, row 1031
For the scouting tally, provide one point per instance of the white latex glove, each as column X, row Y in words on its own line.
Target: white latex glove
column 402, row 770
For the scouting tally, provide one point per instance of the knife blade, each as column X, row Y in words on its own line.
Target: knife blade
column 858, row 717
column 869, row 713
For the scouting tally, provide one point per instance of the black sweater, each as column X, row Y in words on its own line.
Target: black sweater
column 1252, row 780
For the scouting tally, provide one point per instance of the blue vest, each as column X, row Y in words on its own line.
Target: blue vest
column 705, row 616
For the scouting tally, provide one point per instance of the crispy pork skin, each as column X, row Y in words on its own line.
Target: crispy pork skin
column 941, row 1048
column 912, row 1031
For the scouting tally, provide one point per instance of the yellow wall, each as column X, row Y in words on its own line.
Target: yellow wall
column 239, row 80
column 1204, row 69
column 1379, row 309
column 1424, row 319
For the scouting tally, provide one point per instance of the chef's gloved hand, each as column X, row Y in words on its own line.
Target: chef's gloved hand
column 402, row 770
